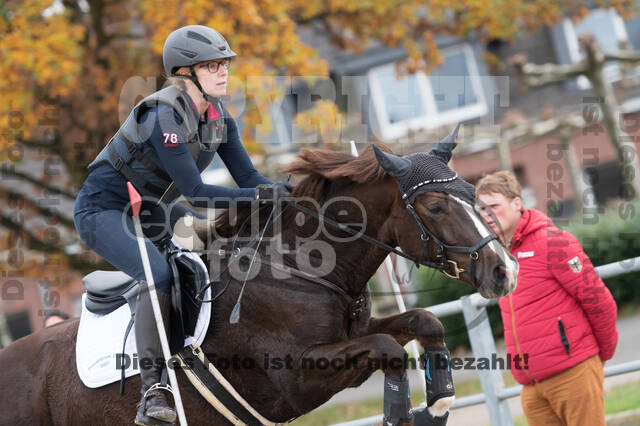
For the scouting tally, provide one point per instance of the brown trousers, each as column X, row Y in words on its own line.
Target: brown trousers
column 571, row 397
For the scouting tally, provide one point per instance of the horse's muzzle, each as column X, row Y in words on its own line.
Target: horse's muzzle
column 503, row 280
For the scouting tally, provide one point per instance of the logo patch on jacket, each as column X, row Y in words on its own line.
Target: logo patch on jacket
column 525, row 254
column 575, row 265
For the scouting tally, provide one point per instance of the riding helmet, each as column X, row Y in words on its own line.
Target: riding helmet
column 193, row 44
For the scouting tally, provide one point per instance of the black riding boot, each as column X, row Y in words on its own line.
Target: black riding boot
column 153, row 408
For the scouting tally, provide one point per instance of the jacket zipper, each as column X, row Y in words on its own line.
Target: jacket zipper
column 515, row 337
column 563, row 336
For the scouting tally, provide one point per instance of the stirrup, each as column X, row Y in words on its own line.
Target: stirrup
column 157, row 386
column 141, row 416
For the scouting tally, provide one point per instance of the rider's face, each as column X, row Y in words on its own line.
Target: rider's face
column 213, row 83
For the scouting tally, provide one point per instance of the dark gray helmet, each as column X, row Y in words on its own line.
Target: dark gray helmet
column 193, row 44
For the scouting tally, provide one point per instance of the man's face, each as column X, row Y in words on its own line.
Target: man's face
column 505, row 211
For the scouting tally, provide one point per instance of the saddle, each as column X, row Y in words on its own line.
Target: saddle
column 108, row 290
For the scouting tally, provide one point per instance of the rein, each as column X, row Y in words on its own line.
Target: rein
column 441, row 262
column 356, row 305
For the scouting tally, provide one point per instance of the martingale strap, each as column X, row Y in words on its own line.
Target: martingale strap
column 218, row 392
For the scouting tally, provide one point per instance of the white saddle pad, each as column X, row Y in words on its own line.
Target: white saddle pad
column 100, row 339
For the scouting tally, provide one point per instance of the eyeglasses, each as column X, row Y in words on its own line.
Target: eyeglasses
column 213, row 67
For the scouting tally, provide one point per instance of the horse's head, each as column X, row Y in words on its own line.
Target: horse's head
column 434, row 221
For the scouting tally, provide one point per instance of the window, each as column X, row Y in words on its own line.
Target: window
column 607, row 182
column 451, row 93
column 608, row 29
column 19, row 324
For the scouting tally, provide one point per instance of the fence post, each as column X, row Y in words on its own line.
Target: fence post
column 483, row 346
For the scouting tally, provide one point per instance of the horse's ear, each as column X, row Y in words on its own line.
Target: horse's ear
column 444, row 148
column 392, row 164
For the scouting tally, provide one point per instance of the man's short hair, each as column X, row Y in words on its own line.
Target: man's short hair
column 502, row 182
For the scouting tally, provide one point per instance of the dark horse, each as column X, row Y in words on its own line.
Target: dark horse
column 286, row 318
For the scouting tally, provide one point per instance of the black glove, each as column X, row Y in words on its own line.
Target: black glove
column 272, row 192
column 288, row 185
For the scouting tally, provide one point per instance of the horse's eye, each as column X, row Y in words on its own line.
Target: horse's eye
column 435, row 209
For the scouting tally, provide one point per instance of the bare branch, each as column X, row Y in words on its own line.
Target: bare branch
column 623, row 56
column 10, row 171
column 49, row 146
column 535, row 76
column 553, row 77
column 52, row 213
column 33, row 242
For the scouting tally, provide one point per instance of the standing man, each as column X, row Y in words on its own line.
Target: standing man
column 560, row 322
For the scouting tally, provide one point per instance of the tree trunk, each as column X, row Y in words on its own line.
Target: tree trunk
column 622, row 143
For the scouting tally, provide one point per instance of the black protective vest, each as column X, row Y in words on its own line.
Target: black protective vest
column 139, row 163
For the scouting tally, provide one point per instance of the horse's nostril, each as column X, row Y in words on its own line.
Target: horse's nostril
column 500, row 273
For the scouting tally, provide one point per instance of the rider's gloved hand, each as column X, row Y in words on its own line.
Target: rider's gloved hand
column 288, row 185
column 272, row 192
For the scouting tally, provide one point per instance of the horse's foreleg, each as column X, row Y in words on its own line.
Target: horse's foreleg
column 414, row 324
column 428, row 330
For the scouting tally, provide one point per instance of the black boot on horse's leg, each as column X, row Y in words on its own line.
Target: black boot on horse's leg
column 153, row 408
column 440, row 391
column 397, row 405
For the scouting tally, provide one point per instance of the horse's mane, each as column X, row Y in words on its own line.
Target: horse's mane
column 322, row 168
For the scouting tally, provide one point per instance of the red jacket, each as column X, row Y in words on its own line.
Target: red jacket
column 561, row 313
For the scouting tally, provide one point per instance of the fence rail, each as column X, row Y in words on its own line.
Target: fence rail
column 494, row 393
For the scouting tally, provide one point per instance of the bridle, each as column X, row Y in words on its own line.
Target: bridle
column 441, row 261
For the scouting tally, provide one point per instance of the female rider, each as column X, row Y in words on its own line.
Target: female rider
column 167, row 140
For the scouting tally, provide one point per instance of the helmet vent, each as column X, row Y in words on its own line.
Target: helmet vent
column 194, row 35
column 189, row 54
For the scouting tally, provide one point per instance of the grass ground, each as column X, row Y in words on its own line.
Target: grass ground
column 620, row 398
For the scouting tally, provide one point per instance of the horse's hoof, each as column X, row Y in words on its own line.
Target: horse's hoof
column 422, row 417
